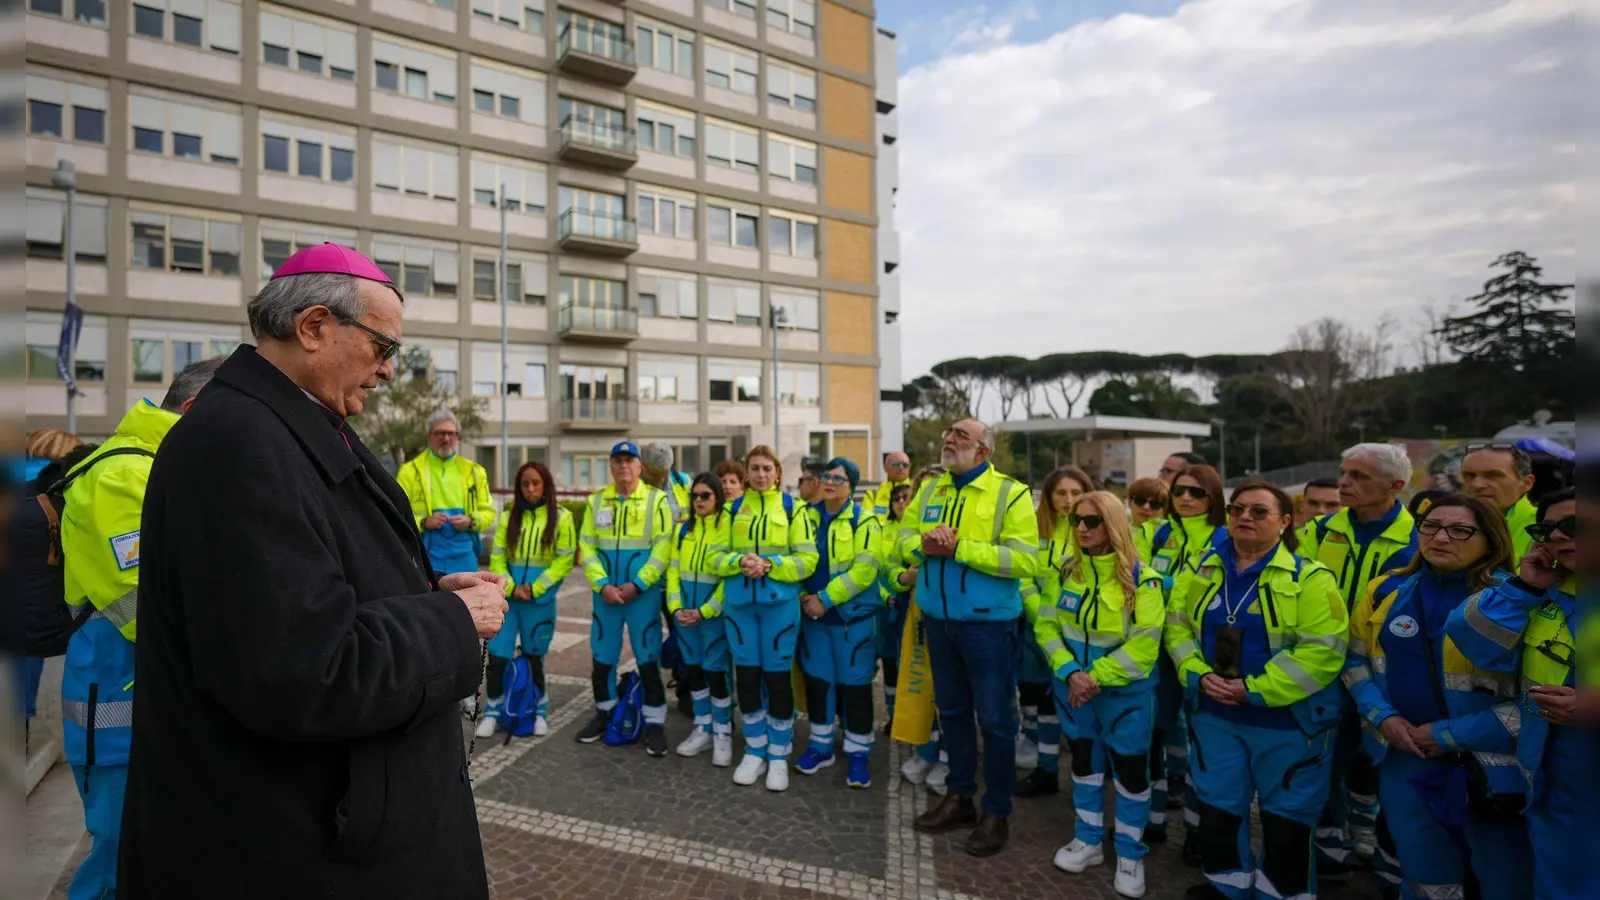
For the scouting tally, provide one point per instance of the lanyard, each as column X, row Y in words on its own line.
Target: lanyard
column 1232, row 609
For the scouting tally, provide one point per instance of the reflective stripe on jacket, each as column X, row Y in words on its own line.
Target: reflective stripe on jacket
column 998, row 547
column 415, row 478
column 626, row 539
column 692, row 579
column 1093, row 626
column 782, row 533
column 1045, row 586
column 1334, row 545
column 530, row 562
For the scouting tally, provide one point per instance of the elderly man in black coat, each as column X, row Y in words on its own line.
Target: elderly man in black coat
column 296, row 729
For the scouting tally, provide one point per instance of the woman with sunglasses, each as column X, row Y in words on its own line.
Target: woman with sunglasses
column 533, row 548
column 1435, row 723
column 841, row 603
column 1524, row 626
column 1039, row 744
column 694, row 600
column 771, row 551
column 892, row 614
column 1102, row 635
column 1147, row 500
column 1258, row 635
column 1194, row 525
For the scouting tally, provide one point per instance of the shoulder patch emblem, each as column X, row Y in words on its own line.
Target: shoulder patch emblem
column 126, row 549
column 1207, row 572
column 1403, row 626
column 1335, row 537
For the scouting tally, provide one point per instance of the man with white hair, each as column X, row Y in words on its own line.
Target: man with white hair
column 1372, row 534
column 449, row 497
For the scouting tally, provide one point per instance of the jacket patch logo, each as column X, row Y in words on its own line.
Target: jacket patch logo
column 1207, row 572
column 603, row 518
column 932, row 513
column 126, row 549
column 1335, row 537
column 1403, row 626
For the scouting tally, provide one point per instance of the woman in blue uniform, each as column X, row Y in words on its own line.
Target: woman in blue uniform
column 694, row 600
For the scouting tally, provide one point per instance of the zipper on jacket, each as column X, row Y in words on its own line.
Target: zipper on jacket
column 1272, row 608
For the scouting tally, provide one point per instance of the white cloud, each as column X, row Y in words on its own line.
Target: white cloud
column 1207, row 182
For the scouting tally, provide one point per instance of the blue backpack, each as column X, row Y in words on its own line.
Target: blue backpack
column 627, row 717
column 522, row 699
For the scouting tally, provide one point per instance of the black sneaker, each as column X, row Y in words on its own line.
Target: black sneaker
column 595, row 730
column 1038, row 783
column 1191, row 851
column 1175, row 793
column 1155, row 835
column 655, row 740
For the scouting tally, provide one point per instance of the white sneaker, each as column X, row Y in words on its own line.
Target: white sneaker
column 541, row 727
column 487, row 726
column 750, row 768
column 778, row 776
column 698, row 742
column 1078, row 856
column 1364, row 844
column 937, row 777
column 722, row 750
column 1027, row 753
column 1130, row 878
column 915, row 770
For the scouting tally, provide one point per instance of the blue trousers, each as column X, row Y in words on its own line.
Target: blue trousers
column 763, row 636
column 1169, row 748
column 1435, row 858
column 1563, row 787
column 706, row 645
column 533, row 622
column 975, row 688
column 96, row 878
column 1041, row 722
column 1287, row 774
column 836, row 655
column 642, row 618
column 1110, row 729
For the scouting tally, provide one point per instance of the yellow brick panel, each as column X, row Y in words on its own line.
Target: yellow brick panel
column 852, row 394
column 850, row 322
column 847, row 179
column 853, row 446
column 846, row 38
column 848, row 249
column 847, row 109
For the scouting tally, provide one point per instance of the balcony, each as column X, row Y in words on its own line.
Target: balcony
column 598, row 323
column 579, row 231
column 594, row 144
column 597, row 413
column 594, row 54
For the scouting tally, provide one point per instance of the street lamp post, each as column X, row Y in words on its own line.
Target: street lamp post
column 776, row 317
column 505, row 365
column 66, row 178
column 1222, row 445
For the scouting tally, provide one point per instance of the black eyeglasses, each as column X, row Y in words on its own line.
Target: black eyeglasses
column 1089, row 522
column 1457, row 532
column 1544, row 531
column 388, row 347
column 1258, row 511
column 1190, row 490
column 703, row 495
column 1519, row 456
column 1147, row 502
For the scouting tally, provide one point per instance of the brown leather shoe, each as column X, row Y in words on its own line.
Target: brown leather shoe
column 989, row 837
column 954, row 811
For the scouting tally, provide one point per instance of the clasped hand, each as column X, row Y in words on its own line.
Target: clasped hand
column 484, row 594
column 813, row 606
column 940, row 541
column 1416, row 740
column 688, row 617
column 1227, row 691
column 754, row 566
column 1081, row 688
column 617, row 595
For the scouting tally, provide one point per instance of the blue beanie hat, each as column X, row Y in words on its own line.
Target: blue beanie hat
column 851, row 470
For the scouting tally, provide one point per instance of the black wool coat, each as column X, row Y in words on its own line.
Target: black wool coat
column 295, row 723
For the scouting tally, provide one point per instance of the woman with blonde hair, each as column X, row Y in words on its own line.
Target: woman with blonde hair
column 1102, row 636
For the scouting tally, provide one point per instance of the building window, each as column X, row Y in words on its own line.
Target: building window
column 46, row 226
column 593, row 392
column 525, row 186
column 667, row 379
column 593, row 293
column 518, row 288
column 729, row 227
column 666, row 49
column 185, row 244
column 148, row 356
column 520, row 14
column 85, row 12
column 791, row 235
column 792, row 160
column 665, row 132
column 306, row 152
column 417, row 171
column 798, row 17
column 149, row 22
column 733, row 147
column 799, row 309
column 198, row 133
column 665, row 214
column 730, row 68
column 510, row 95
column 413, row 72
column 280, row 241
column 746, row 8
column 665, row 296
column 605, row 125
column 593, row 36
column 308, row 47
column 799, row 386
column 585, row 470
column 65, row 110
column 594, row 213
column 730, row 381
column 420, row 270
column 203, row 24
column 792, row 87
column 738, row 303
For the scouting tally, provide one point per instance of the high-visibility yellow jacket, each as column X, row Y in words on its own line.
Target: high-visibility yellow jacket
column 851, row 540
column 626, row 539
column 997, row 547
column 530, row 562
column 1521, row 514
column 693, row 581
column 1307, row 631
column 1055, row 552
column 880, row 497
column 778, row 530
column 1094, row 626
column 416, row 479
column 1334, row 545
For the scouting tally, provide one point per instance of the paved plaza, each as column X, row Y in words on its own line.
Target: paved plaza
column 575, row 821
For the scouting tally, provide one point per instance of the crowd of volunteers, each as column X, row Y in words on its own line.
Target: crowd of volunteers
column 1375, row 684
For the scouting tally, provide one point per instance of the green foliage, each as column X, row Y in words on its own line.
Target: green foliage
column 1520, row 324
column 1151, row 395
column 395, row 420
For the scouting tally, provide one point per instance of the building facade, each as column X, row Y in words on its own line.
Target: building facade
column 671, row 173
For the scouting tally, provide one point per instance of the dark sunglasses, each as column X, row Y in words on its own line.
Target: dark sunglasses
column 1258, row 511
column 1456, row 532
column 1194, row 491
column 1089, row 522
column 1544, row 531
column 703, row 495
column 832, row 479
column 1148, row 502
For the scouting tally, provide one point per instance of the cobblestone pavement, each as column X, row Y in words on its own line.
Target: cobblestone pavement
column 561, row 819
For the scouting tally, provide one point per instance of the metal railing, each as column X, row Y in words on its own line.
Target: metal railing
column 1290, row 476
column 597, row 318
column 598, row 409
column 595, row 134
column 596, row 41
column 581, row 223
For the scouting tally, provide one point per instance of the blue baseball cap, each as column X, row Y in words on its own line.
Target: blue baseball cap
column 625, row 448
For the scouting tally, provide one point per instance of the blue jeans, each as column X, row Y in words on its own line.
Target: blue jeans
column 974, row 673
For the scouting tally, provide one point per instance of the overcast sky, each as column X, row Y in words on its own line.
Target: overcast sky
column 1203, row 177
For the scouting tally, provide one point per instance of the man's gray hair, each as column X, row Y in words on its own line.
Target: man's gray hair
column 1390, row 460
column 189, row 382
column 443, row 415
column 273, row 310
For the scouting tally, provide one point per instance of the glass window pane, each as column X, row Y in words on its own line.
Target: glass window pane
column 686, row 145
column 483, row 279
column 778, row 234
column 148, row 364
column 388, row 76
column 483, row 101
column 647, row 213
column 149, row 241
column 511, row 107
column 805, row 240
column 647, row 136
column 341, row 165
column 186, row 30
column 149, row 140
column 149, row 22
column 663, row 52
column 44, row 118
column 186, row 353
column 310, row 159
column 747, row 231
column 186, row 145
column 88, row 125
column 275, row 153
column 685, row 56
column 278, row 56
column 309, row 62
column 51, row 8
column 668, row 135
column 417, row 83
column 719, row 225
column 685, row 221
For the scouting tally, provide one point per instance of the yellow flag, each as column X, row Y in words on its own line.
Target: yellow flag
column 914, row 706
